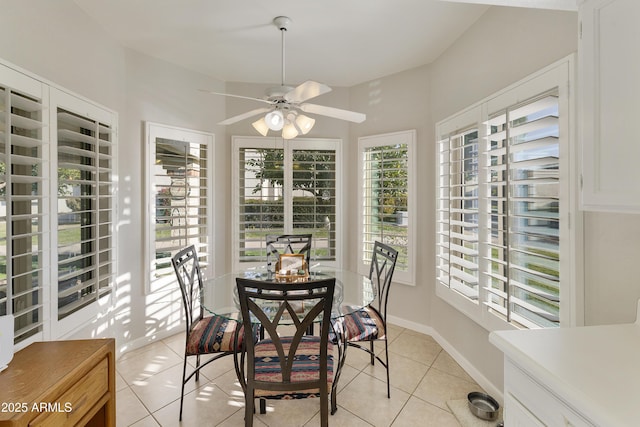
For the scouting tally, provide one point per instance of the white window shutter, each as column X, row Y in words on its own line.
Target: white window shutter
column 387, row 199
column 23, row 210
column 85, row 227
column 286, row 187
column 524, row 173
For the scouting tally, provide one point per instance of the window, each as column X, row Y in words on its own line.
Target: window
column 502, row 236
column 386, row 195
column 314, row 199
column 523, row 242
column 458, row 214
column 180, row 199
column 57, row 207
column 285, row 186
column 84, row 242
column 23, row 204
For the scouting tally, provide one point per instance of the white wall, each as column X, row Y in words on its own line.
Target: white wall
column 56, row 40
column 395, row 103
column 160, row 92
column 612, row 251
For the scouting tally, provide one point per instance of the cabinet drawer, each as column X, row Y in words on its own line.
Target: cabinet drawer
column 78, row 400
column 541, row 403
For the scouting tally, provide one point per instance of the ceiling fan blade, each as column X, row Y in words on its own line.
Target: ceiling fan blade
column 238, row 96
column 306, row 90
column 243, row 116
column 336, row 113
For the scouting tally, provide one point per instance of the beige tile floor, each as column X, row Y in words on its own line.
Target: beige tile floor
column 423, row 378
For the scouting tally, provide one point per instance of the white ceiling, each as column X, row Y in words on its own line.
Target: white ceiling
column 337, row 42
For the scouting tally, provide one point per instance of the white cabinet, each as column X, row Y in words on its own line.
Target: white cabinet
column 529, row 403
column 519, row 415
column 580, row 376
column 609, row 98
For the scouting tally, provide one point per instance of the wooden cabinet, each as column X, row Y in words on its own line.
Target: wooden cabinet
column 609, row 98
column 60, row 383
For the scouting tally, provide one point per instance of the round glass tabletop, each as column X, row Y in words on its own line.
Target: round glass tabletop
column 353, row 291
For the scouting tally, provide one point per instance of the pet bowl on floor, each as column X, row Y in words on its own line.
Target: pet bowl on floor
column 483, row 406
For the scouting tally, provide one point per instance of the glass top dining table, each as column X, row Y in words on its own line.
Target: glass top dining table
column 353, row 290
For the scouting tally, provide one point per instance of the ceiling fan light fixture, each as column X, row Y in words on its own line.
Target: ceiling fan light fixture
column 261, row 126
column 274, row 120
column 289, row 131
column 304, row 123
column 286, row 102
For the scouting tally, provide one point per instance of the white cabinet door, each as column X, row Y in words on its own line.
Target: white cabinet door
column 610, row 104
column 530, row 403
column 516, row 415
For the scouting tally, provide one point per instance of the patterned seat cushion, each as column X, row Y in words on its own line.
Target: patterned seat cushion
column 306, row 366
column 214, row 334
column 365, row 324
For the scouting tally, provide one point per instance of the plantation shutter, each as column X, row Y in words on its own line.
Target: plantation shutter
column 314, row 200
column 524, row 175
column 180, row 175
column 85, row 206
column 57, row 206
column 504, row 199
column 23, row 165
column 385, row 189
column 260, row 200
column 285, row 187
column 386, row 195
column 443, row 210
column 458, row 212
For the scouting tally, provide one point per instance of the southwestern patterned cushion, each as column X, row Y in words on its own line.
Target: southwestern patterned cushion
column 213, row 334
column 362, row 325
column 306, row 366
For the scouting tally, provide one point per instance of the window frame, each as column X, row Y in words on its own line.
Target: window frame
column 408, row 138
column 559, row 75
column 154, row 131
column 28, row 87
column 288, row 146
column 76, row 320
column 52, row 96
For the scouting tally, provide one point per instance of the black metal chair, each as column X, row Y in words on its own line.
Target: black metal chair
column 296, row 366
column 213, row 335
column 287, row 244
column 369, row 324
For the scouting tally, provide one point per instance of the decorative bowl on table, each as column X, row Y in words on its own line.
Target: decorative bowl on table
column 292, row 268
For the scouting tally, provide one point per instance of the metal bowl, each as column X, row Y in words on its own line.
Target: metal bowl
column 483, row 406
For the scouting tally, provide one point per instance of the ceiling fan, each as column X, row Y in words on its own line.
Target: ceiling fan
column 286, row 103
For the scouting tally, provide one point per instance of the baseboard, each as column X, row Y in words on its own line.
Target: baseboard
column 417, row 327
column 488, row 386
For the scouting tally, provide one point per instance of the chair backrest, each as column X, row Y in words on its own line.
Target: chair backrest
column 383, row 263
column 268, row 303
column 287, row 244
column 187, row 268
